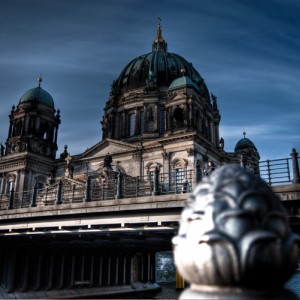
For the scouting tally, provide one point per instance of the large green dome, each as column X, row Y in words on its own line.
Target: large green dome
column 157, row 68
column 38, row 95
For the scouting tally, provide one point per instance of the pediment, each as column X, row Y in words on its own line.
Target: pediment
column 108, row 146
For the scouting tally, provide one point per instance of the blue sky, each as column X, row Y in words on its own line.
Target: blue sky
column 246, row 50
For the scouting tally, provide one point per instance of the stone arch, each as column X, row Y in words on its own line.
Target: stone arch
column 150, row 167
column 179, row 163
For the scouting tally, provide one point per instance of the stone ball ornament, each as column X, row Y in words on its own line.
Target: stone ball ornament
column 234, row 233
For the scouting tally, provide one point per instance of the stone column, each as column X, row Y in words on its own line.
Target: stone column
column 137, row 123
column 119, row 186
column 59, row 193
column 25, row 271
column 100, row 270
column 61, row 272
column 11, row 199
column 49, row 282
column 123, row 281
column 34, row 195
column 108, row 270
column 116, row 275
column 92, row 270
column 72, row 271
column 10, row 272
column 156, row 182
column 296, row 176
column 148, row 266
column 87, row 197
column 216, row 133
column 37, row 273
column 128, row 270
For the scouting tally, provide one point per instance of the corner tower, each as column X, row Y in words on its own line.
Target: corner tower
column 33, row 124
column 31, row 143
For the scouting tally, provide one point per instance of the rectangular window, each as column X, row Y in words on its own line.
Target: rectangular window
column 151, row 175
column 142, row 120
column 131, row 124
column 179, row 176
column 161, row 121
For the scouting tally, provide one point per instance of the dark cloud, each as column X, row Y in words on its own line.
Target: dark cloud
column 247, row 51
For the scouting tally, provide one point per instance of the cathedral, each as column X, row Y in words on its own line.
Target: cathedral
column 159, row 117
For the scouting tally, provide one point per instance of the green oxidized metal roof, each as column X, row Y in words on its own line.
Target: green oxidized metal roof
column 244, row 143
column 183, row 81
column 37, row 95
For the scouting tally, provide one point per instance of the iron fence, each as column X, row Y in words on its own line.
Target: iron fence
column 276, row 171
column 109, row 189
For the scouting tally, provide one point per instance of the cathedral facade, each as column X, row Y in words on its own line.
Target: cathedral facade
column 159, row 118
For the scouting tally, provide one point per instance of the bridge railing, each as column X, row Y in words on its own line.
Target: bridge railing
column 280, row 171
column 123, row 186
column 276, row 171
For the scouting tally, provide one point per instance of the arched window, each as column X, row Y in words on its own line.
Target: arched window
column 178, row 118
column 43, row 133
column 179, row 166
column 19, row 127
column 150, row 168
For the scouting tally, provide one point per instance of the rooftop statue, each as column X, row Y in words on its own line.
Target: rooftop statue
column 234, row 240
column 107, row 161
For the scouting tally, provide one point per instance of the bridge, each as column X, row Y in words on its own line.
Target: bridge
column 68, row 242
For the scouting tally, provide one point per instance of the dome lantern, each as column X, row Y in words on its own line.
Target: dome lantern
column 159, row 42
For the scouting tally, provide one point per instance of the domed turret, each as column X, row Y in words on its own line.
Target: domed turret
column 246, row 149
column 244, row 144
column 34, row 124
column 37, row 95
column 181, row 82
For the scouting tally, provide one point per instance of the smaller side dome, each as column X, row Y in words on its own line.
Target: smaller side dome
column 38, row 95
column 181, row 82
column 244, row 143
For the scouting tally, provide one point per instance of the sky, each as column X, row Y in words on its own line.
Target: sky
column 247, row 51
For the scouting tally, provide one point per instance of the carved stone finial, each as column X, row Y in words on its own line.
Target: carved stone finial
column 234, row 236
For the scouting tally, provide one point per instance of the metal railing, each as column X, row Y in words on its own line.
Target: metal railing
column 274, row 172
column 109, row 189
column 280, row 171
